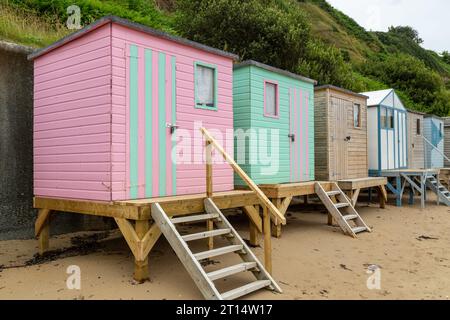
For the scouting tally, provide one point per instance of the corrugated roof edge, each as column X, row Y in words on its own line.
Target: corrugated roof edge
column 273, row 69
column 133, row 25
column 330, row 86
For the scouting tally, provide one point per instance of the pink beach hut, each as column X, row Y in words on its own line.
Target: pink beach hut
column 109, row 103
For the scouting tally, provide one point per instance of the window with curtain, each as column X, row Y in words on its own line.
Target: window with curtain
column 205, row 86
column 271, row 106
column 357, row 115
column 418, row 128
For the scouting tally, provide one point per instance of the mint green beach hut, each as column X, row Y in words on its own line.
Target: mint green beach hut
column 273, row 123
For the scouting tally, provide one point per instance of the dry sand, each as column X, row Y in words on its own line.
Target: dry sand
column 310, row 261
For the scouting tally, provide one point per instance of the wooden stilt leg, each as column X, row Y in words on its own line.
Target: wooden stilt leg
column 141, row 272
column 42, row 230
column 267, row 241
column 382, row 194
column 210, row 240
column 44, row 236
column 330, row 219
column 254, row 234
column 276, row 229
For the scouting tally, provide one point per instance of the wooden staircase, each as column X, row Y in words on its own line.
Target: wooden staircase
column 341, row 209
column 434, row 185
column 191, row 261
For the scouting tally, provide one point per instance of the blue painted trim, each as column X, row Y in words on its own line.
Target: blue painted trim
column 391, row 188
column 379, row 140
column 396, row 131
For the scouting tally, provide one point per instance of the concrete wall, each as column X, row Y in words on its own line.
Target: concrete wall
column 17, row 215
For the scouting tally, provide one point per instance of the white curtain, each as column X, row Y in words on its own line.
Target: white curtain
column 271, row 96
column 205, row 85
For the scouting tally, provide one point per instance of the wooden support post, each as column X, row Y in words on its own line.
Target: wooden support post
column 267, row 241
column 42, row 229
column 423, row 195
column 382, row 194
column 329, row 219
column 209, row 189
column 411, row 195
column 141, row 272
column 44, row 237
column 276, row 229
column 254, row 234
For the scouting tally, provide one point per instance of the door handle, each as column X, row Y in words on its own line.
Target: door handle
column 292, row 137
column 172, row 127
column 348, row 138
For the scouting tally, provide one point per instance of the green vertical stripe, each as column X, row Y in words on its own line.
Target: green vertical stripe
column 133, row 122
column 148, row 123
column 162, row 122
column 174, row 121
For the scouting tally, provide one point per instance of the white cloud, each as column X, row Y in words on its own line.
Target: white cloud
column 431, row 17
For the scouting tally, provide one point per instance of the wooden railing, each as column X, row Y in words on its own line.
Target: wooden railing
column 265, row 202
column 267, row 205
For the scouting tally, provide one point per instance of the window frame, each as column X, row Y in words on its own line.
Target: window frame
column 359, row 126
column 383, row 114
column 215, row 85
column 277, row 100
column 390, row 120
column 418, row 127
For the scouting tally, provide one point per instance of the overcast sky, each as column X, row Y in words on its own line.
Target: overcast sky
column 430, row 17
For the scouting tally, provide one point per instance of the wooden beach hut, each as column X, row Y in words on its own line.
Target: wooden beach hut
column 340, row 125
column 274, row 111
column 387, row 131
column 416, row 148
column 111, row 102
column 341, row 145
column 433, row 132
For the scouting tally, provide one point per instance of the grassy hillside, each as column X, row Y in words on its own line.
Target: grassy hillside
column 305, row 36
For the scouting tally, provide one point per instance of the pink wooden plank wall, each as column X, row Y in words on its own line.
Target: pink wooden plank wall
column 190, row 177
column 72, row 110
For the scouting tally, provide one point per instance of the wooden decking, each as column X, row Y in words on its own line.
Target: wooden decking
column 135, row 222
column 353, row 187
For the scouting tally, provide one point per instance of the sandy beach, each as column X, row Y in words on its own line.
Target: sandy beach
column 310, row 261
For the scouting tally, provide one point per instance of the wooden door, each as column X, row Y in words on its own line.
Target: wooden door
column 339, row 138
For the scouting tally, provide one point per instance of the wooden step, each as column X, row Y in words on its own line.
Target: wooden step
column 218, row 252
column 248, row 288
column 225, row 272
column 341, row 205
column 205, row 234
column 333, row 193
column 350, row 217
column 199, row 217
column 359, row 229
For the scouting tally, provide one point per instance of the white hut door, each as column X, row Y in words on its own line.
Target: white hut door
column 339, row 139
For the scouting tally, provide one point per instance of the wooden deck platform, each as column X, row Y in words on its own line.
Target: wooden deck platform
column 414, row 179
column 353, row 187
column 135, row 222
column 282, row 194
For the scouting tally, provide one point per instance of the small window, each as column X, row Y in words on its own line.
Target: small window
column 357, row 115
column 270, row 99
column 390, row 119
column 418, row 128
column 205, row 86
column 383, row 118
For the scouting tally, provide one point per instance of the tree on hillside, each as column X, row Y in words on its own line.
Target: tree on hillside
column 407, row 32
column 446, row 57
column 254, row 29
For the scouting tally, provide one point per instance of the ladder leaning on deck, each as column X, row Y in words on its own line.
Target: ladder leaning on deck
column 191, row 261
column 434, row 185
column 341, row 210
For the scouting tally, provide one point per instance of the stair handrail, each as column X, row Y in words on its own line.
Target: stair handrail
column 210, row 141
column 435, row 148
